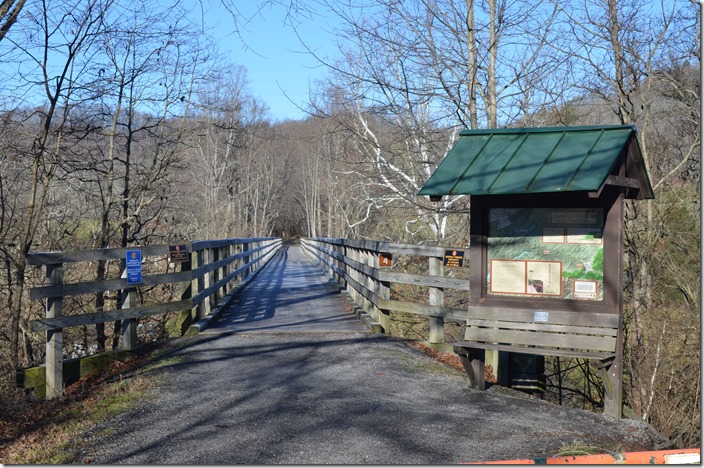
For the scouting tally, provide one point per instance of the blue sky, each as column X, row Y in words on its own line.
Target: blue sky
column 276, row 65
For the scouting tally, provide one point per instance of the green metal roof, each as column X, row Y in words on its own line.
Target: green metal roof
column 537, row 160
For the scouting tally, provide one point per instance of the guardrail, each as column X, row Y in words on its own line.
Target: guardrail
column 209, row 270
column 361, row 268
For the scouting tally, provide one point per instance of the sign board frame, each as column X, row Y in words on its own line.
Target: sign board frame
column 612, row 204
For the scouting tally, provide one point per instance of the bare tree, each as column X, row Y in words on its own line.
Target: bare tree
column 641, row 60
column 51, row 47
column 230, row 129
column 149, row 60
column 9, row 11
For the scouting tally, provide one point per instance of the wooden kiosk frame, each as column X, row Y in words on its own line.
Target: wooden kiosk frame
column 570, row 170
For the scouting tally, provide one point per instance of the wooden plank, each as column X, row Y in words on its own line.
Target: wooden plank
column 214, row 265
column 561, row 317
column 329, row 252
column 526, row 338
column 364, row 292
column 422, row 309
column 75, row 256
column 546, row 327
column 462, row 348
column 149, row 280
column 90, row 287
column 109, row 316
column 362, row 268
column 406, row 278
column 393, row 248
column 211, row 244
column 329, row 263
column 419, row 250
column 424, row 280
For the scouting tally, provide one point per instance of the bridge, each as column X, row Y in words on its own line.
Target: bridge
column 283, row 364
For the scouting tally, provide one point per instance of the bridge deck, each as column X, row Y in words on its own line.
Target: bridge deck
column 290, row 295
column 256, row 391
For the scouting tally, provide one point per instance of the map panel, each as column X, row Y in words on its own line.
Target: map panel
column 546, row 252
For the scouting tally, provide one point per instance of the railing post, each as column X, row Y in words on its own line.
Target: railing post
column 203, row 307
column 54, row 338
column 332, row 261
column 436, row 297
column 354, row 255
column 256, row 245
column 237, row 248
column 245, row 248
column 368, row 284
column 229, row 252
column 341, row 279
column 217, row 275
column 208, row 281
column 192, row 288
column 129, row 325
column 382, row 289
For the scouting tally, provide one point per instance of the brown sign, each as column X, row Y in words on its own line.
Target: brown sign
column 385, row 260
column 453, row 258
column 178, row 253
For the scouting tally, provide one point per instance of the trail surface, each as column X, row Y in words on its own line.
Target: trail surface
column 287, row 377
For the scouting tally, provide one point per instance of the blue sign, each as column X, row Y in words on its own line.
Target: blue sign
column 134, row 266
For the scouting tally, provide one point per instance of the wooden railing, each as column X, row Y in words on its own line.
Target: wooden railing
column 208, row 272
column 358, row 266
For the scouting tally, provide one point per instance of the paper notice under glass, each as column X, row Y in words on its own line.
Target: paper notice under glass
column 585, row 289
column 544, row 278
column 508, row 276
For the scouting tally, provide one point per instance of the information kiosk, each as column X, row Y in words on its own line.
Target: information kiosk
column 546, row 243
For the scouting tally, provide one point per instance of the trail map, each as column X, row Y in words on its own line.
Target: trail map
column 546, row 252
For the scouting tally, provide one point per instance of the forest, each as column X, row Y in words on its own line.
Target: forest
column 122, row 125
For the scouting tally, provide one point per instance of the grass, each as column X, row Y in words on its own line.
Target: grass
column 51, row 432
column 578, row 448
column 57, row 441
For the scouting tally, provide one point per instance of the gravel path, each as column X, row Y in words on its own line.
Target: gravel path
column 250, row 392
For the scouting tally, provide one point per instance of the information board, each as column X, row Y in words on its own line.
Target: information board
column 546, row 252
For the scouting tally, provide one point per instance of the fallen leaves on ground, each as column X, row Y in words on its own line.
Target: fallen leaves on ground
column 449, row 359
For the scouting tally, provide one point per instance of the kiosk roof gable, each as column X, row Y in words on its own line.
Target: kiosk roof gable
column 542, row 160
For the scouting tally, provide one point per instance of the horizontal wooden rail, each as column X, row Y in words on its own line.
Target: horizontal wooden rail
column 91, row 287
column 211, row 269
column 109, row 316
column 354, row 265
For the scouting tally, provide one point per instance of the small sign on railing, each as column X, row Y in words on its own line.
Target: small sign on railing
column 178, row 253
column 133, row 265
column 453, row 258
column 385, row 260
